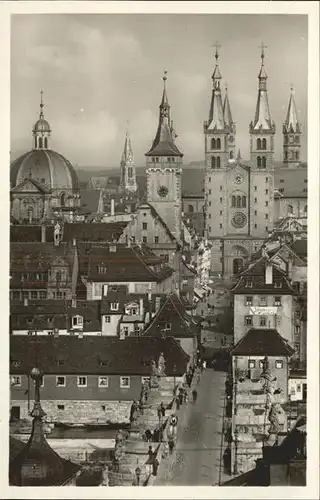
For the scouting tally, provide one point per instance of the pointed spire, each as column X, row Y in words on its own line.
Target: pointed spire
column 41, row 116
column 291, row 123
column 127, row 150
column 262, row 119
column 216, row 115
column 163, row 144
column 227, row 110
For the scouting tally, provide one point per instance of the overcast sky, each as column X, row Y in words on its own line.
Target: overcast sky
column 98, row 71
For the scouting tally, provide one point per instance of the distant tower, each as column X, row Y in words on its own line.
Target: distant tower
column 291, row 135
column 41, row 130
column 262, row 129
column 164, row 161
column 127, row 167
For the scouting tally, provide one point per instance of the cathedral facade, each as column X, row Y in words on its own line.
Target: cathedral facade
column 239, row 195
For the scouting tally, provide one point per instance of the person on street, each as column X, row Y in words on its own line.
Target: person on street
column 194, row 396
column 177, row 403
column 148, row 435
column 171, row 446
column 150, row 452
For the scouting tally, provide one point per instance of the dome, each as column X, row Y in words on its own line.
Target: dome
column 41, row 126
column 45, row 166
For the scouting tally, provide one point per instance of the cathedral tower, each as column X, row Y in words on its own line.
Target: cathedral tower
column 163, row 165
column 41, row 130
column 219, row 130
column 127, row 167
column 291, row 135
column 262, row 129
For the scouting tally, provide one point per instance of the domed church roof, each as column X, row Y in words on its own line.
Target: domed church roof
column 43, row 164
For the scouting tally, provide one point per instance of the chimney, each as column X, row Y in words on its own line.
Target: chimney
column 25, row 301
column 43, row 234
column 141, row 306
column 105, row 290
column 112, row 206
column 269, row 277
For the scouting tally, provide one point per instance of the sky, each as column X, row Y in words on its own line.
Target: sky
column 100, row 71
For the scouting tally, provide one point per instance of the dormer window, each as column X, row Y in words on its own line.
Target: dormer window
column 248, row 283
column 102, row 268
column 77, row 321
column 278, row 284
column 15, row 363
column 114, row 306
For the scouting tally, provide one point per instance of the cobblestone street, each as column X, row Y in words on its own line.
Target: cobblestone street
column 196, row 460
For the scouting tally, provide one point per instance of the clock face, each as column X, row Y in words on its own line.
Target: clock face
column 239, row 219
column 162, row 191
column 238, row 179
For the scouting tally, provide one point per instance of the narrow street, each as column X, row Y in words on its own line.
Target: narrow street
column 196, row 461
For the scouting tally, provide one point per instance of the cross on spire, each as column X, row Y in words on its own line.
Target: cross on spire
column 41, row 104
column 217, row 46
column 164, row 78
column 262, row 47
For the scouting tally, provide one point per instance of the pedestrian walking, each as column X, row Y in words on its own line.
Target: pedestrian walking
column 177, row 402
column 198, row 378
column 171, row 446
column 194, row 396
column 204, row 365
column 148, row 435
column 150, row 452
column 155, row 466
column 185, row 396
column 163, row 409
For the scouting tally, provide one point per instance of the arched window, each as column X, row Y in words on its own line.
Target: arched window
column 231, row 155
column 264, row 144
column 297, row 139
column 218, row 161
column 233, row 202
column 244, row 202
column 290, row 209
column 35, row 142
column 305, row 209
column 190, row 208
column 297, row 155
column 238, row 203
column 40, row 142
column 264, row 162
column 129, row 172
column 218, row 143
column 46, row 142
column 258, row 162
column 258, row 143
column 213, row 144
column 213, row 162
column 62, row 199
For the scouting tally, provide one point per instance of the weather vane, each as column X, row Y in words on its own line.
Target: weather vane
column 217, row 46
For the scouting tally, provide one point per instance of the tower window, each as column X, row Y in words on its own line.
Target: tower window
column 62, row 199
column 244, row 202
column 209, row 191
column 221, row 213
column 46, row 142
column 238, row 201
column 221, row 188
column 213, row 162
column 255, row 200
column 213, row 144
column 297, row 155
column 231, row 155
column 267, row 191
column 218, row 161
column 255, row 212
column 266, row 203
column 266, row 216
column 220, row 225
column 130, row 172
column 258, row 162
column 267, row 179
column 40, row 142
column 209, row 180
column 218, row 143
column 144, row 226
column 264, row 162
column 264, row 144
column 233, row 202
column 255, row 226
column 258, row 143
column 255, row 188
column 221, row 200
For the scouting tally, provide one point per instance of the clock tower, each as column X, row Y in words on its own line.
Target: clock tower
column 163, row 168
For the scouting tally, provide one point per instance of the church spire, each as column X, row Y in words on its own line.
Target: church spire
column 216, row 115
column 291, row 123
column 227, row 111
column 127, row 166
column 41, row 130
column 291, row 135
column 262, row 118
column 163, row 144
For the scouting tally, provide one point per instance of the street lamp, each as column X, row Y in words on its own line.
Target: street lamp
column 138, row 474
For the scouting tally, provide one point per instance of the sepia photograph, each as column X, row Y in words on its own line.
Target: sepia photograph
column 158, row 274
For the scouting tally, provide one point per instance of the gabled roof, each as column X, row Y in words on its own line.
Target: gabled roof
column 38, row 256
column 125, row 264
column 102, row 355
column 90, row 201
column 173, row 312
column 93, row 231
column 255, row 272
column 30, row 185
column 262, row 342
